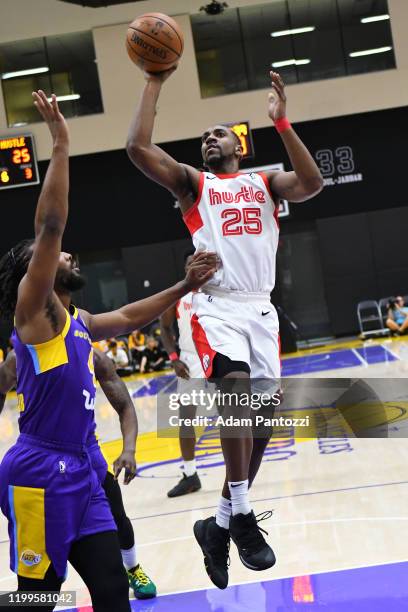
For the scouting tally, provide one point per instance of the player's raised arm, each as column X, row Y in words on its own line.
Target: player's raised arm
column 138, row 314
column 116, row 391
column 51, row 215
column 180, row 179
column 305, row 181
column 8, row 377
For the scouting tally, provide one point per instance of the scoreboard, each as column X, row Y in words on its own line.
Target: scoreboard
column 18, row 162
column 243, row 131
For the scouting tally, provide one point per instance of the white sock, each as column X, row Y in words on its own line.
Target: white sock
column 239, row 497
column 190, row 467
column 222, row 516
column 129, row 557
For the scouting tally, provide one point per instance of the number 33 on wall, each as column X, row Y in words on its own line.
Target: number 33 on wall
column 342, row 160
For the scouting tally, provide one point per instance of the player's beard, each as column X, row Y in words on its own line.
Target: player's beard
column 68, row 281
column 218, row 161
column 215, row 161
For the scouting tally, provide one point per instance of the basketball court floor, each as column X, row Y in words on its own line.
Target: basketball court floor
column 340, row 506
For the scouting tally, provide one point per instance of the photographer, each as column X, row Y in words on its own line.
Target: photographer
column 397, row 319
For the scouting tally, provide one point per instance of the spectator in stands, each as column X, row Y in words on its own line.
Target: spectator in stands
column 119, row 358
column 101, row 345
column 1, row 355
column 397, row 319
column 153, row 357
column 121, row 342
column 136, row 344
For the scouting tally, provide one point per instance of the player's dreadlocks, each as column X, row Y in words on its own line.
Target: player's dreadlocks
column 13, row 266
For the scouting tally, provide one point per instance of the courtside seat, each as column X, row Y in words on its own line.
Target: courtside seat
column 370, row 319
column 383, row 303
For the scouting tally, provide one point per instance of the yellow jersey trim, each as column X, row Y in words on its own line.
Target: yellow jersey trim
column 50, row 354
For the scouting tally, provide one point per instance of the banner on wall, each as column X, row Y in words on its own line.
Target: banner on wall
column 283, row 204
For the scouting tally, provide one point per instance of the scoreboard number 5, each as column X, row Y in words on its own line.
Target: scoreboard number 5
column 341, row 160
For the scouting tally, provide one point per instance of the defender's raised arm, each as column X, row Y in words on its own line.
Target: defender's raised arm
column 138, row 314
column 51, row 216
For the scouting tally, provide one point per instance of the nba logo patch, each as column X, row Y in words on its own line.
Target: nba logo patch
column 62, row 467
column 206, row 361
column 29, row 557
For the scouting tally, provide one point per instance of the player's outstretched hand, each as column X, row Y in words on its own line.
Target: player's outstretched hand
column 159, row 76
column 127, row 461
column 200, row 269
column 52, row 115
column 277, row 97
column 181, row 369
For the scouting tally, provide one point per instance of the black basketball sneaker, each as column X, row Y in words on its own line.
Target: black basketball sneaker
column 214, row 541
column 188, row 484
column 253, row 551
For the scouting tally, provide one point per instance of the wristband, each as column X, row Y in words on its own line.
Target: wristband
column 173, row 356
column 282, row 124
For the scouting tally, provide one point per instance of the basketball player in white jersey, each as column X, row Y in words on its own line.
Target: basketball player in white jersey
column 235, row 328
column 187, row 367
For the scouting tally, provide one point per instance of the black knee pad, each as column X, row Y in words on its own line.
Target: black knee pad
column 126, row 534
column 223, row 365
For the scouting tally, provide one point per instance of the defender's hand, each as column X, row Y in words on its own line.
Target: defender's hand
column 181, row 369
column 52, row 115
column 277, row 97
column 127, row 461
column 201, row 268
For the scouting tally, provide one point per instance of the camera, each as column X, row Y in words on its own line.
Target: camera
column 214, row 7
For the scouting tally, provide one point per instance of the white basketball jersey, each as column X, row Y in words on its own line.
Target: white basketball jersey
column 183, row 314
column 236, row 217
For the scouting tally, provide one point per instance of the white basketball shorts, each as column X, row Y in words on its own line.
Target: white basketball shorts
column 243, row 327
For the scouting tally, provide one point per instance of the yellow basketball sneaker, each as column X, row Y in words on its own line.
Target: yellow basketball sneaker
column 142, row 586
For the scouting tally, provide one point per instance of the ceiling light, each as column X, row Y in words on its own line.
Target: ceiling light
column 18, row 73
column 66, row 98
column 290, row 62
column 370, row 51
column 293, row 31
column 374, row 18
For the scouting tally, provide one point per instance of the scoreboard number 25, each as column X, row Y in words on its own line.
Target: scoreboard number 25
column 18, row 163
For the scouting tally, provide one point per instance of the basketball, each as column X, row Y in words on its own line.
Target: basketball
column 154, row 42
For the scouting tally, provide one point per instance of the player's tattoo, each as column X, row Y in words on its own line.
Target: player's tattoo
column 164, row 162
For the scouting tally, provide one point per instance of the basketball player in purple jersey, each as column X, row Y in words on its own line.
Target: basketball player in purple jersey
column 234, row 326
column 118, row 396
column 49, row 492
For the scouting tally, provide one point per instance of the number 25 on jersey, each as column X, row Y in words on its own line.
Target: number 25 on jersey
column 238, row 222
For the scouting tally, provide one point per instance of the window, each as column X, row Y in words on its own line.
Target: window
column 303, row 40
column 362, row 31
column 64, row 65
column 220, row 54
